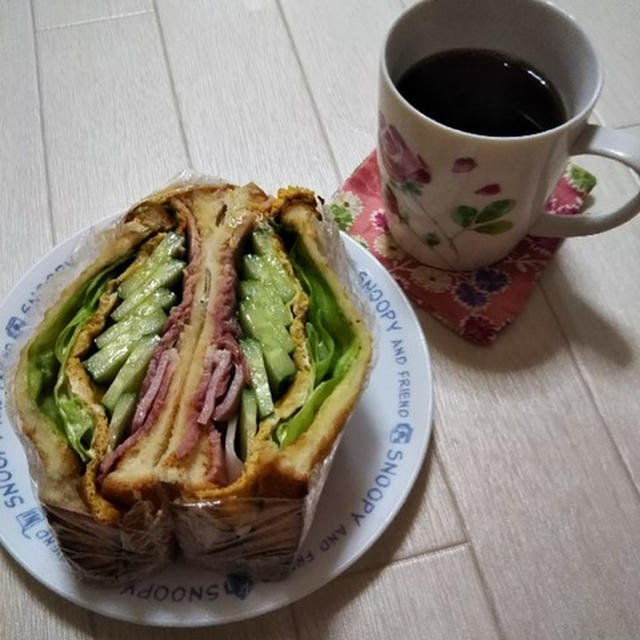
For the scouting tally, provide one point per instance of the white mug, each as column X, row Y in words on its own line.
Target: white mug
column 457, row 200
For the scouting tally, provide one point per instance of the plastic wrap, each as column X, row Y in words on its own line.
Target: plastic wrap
column 255, row 536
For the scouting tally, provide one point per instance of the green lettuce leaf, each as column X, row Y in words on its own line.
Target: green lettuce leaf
column 332, row 344
column 48, row 354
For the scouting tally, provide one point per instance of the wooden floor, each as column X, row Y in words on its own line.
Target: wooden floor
column 525, row 522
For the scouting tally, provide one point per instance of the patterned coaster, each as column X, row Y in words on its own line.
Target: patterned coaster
column 478, row 304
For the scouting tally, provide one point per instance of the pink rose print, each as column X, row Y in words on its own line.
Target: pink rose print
column 391, row 201
column 402, row 164
column 464, row 165
column 489, row 189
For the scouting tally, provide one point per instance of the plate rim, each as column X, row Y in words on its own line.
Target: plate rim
column 339, row 568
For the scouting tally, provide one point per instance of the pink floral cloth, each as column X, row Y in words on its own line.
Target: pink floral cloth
column 478, row 304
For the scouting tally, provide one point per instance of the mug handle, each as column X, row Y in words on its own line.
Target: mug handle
column 601, row 141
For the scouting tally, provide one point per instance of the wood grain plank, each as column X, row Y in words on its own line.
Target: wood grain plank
column 594, row 290
column 273, row 626
column 111, row 128
column 427, row 521
column 23, row 197
column 347, row 36
column 550, row 512
column 434, row 596
column 613, row 28
column 245, row 107
column 56, row 13
column 339, row 46
column 30, row 610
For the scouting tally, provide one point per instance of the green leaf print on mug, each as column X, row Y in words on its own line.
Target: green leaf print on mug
column 494, row 228
column 485, row 221
column 464, row 216
column 432, row 239
column 495, row 210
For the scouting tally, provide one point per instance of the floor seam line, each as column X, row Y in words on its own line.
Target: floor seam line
column 484, row 583
column 591, row 395
column 47, row 172
column 421, row 554
column 314, row 104
column 78, row 23
column 172, row 84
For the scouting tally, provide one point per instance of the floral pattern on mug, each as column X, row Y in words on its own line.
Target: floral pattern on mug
column 488, row 220
column 491, row 296
column 489, row 189
column 408, row 173
column 463, row 165
column 402, row 165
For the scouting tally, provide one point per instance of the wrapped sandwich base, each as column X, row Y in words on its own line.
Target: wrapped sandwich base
column 141, row 544
column 256, row 536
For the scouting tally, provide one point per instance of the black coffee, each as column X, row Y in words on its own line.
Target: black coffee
column 484, row 92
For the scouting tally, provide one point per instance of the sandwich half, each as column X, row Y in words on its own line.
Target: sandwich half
column 110, row 354
column 278, row 366
column 198, row 372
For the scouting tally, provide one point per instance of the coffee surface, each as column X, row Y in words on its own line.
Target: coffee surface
column 484, row 92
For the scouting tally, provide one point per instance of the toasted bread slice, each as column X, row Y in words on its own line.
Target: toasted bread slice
column 61, row 471
column 284, row 472
column 151, row 467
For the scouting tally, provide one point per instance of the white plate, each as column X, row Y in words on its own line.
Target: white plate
column 374, row 468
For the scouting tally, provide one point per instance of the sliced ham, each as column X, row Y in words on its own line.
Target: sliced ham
column 217, row 471
column 199, row 397
column 155, row 385
column 179, row 315
column 228, row 407
column 162, row 392
column 200, row 414
column 230, row 342
column 170, row 362
column 146, row 400
column 223, row 364
column 224, row 373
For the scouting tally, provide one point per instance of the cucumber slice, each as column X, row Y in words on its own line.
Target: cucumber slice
column 253, row 267
column 264, row 298
column 279, row 368
column 264, row 241
column 132, row 326
column 257, row 323
column 167, row 249
column 259, row 381
column 268, row 270
column 160, row 299
column 121, row 417
column 166, row 275
column 268, row 246
column 130, row 376
column 105, row 364
column 249, row 288
column 248, row 423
